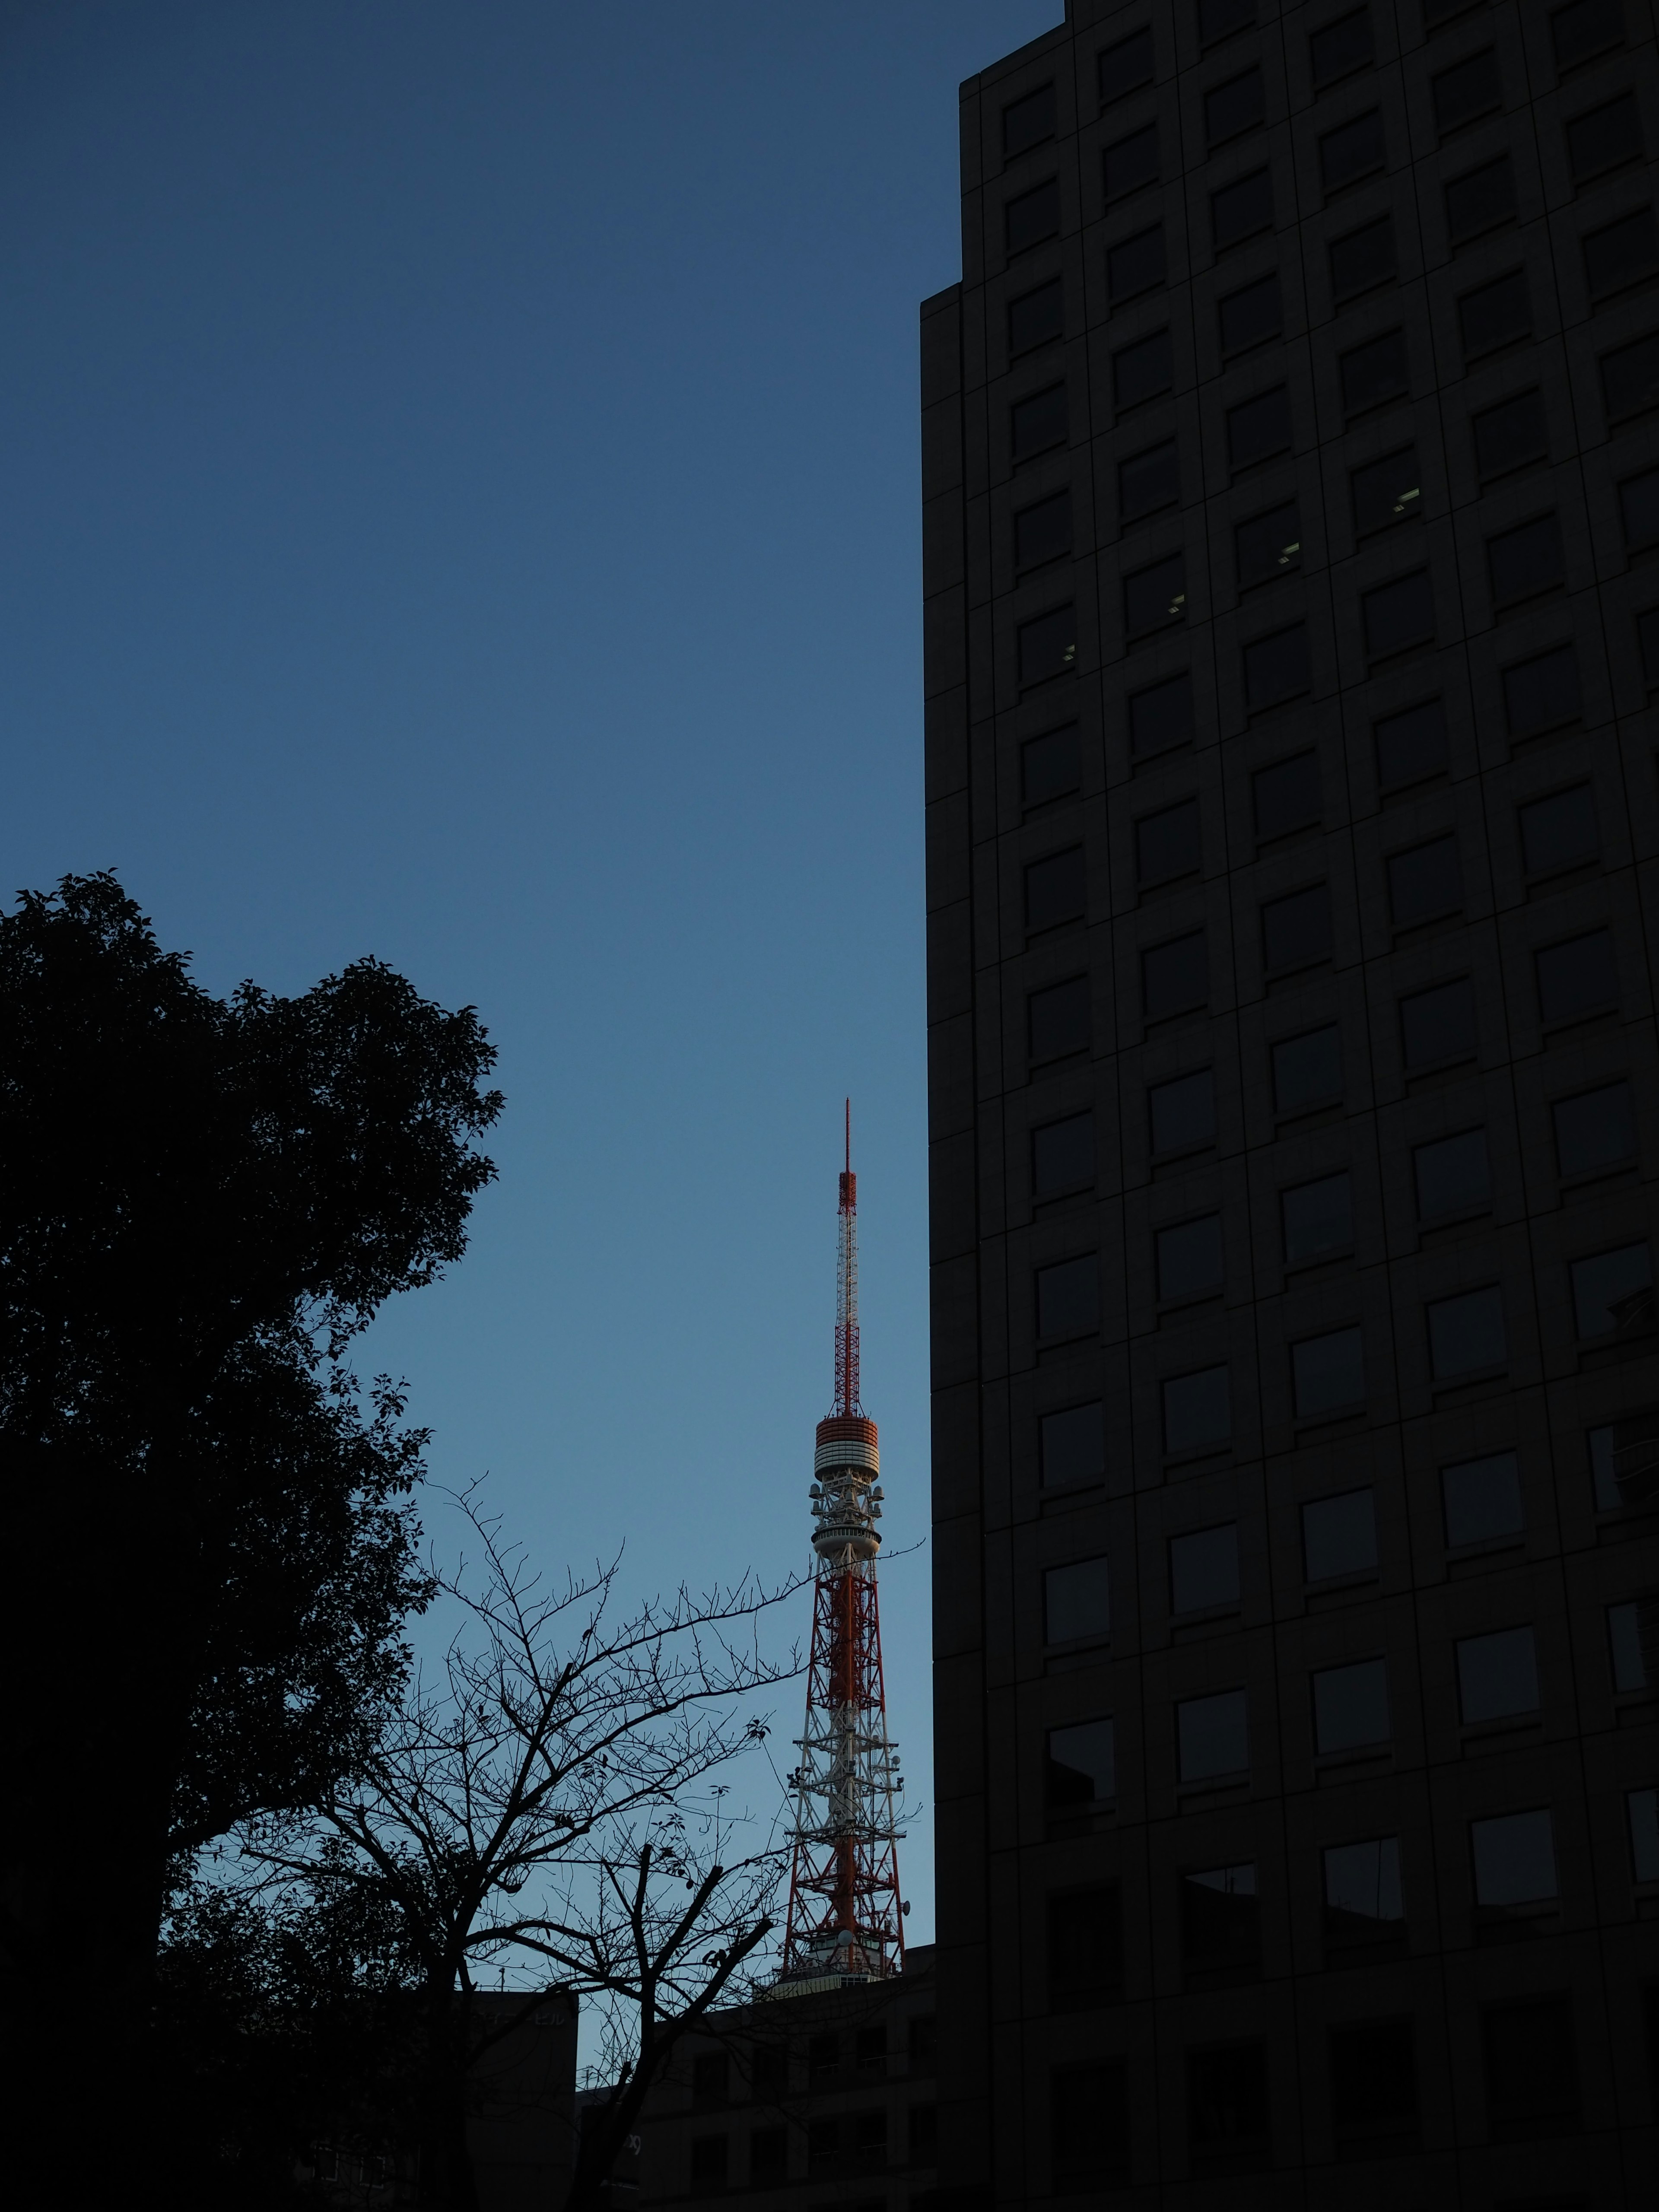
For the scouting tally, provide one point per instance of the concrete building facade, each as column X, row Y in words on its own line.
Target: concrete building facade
column 1291, row 508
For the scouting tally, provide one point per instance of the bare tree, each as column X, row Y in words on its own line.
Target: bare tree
column 541, row 1803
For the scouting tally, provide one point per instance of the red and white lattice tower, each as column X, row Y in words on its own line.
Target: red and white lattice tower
column 846, row 1920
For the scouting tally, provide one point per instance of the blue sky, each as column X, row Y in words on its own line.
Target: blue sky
column 461, row 471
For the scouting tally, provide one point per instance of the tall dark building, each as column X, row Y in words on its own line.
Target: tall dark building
column 1291, row 474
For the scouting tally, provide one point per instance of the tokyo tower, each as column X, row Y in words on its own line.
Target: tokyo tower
column 846, row 1920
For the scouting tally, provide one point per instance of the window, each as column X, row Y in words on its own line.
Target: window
column 1411, row 746
column 1639, row 508
column 1088, row 2123
column 1227, row 2113
column 924, row 2042
column 1035, row 319
column 1604, row 1478
column 1363, row 260
column 1398, row 616
column 1386, row 492
column 1374, row 372
column 1285, row 796
column 768, row 2069
column 1182, row 1114
column 1046, row 647
column 1532, row 2069
column 1057, row 1019
column 1338, row 1535
column 1621, row 254
column 924, row 2134
column 710, row 2080
column 1373, row 2084
column 1032, row 217
column 709, row 2161
column 1559, row 832
column 1136, row 265
column 1220, row 19
column 1239, row 210
column 1424, row 882
column 1542, row 693
column 1363, row 1902
column 1497, row 1675
column 1642, row 1806
column 1050, row 765
column 1197, row 1411
column 1353, row 151
column 1604, row 138
column 1038, row 424
column 1585, row 29
column 1601, row 1286
column 1162, row 716
column 1055, row 890
column 1307, row 1071
column 1595, row 1132
column 1250, row 317
column 1077, row 1602
column 1188, row 1256
column 769, row 2154
column 1481, row 200
column 1577, row 979
column 1026, row 123
column 1482, row 1499
column 1204, row 1571
column 1350, row 1707
column 1632, row 1633
column 1063, row 1155
column 1276, row 668
column 1525, row 561
column 1071, row 1446
column 1214, row 1736
column 1295, row 930
column 1647, row 638
column 1148, row 481
column 1068, row 1297
column 823, row 2060
column 1437, row 1027
column 1044, row 533
column 1630, row 378
column 1259, row 428
column 1454, row 1176
column 1511, row 437
column 1174, row 977
column 1142, row 372
column 1085, row 1945
column 1495, row 315
column 823, row 2145
column 1471, row 90
column 1220, row 1924
column 1234, row 107
column 1268, row 546
column 1155, row 597
column 1131, row 164
column 1339, row 48
column 1318, row 1219
column 870, row 2137
column 1328, row 1374
column 1081, row 1767
column 1514, row 1859
column 1465, row 1334
column 1126, row 67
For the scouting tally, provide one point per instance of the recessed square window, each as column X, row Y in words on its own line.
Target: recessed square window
column 1307, row 1071
column 1374, row 374
column 1318, row 1219
column 1295, row 930
column 1542, row 693
column 1514, row 1858
column 1386, row 492
column 1046, row 646
column 1511, row 436
column 1577, row 979
column 1604, row 138
column 1167, row 844
column 1142, row 372
column 1082, row 1767
column 1036, row 317
column 1063, row 1155
column 1585, row 29
column 1630, row 378
column 1497, row 1675
column 1411, row 746
column 1161, row 717
column 1056, row 890
column 1085, row 1945
column 1352, row 151
column 1068, row 1298
column 1495, row 315
column 1038, row 424
column 1126, row 67
column 1220, row 19
column 1057, row 1020
column 1425, row 883
column 1604, row 1479
column 1532, row 2069
column 1229, row 2111
column 1526, row 561
column 1453, row 1176
column 1638, row 510
column 1051, row 766
column 1220, row 1924
column 1559, row 832
column 1236, row 106
column 1071, row 1445
column 1398, row 616
column 1364, row 259
column 1250, row 317
column 1481, row 1498
column 1595, row 1132
column 1213, row 1735
column 1437, row 1026
column 1647, row 644
column 1276, row 668
column 1467, row 1335
column 1268, row 546
column 1026, row 123
column 1155, row 597
column 1189, row 1256
column 1350, row 1707
column 1258, row 428
column 1328, row 1374
column 1204, row 1570
column 1197, row 1411
column 1607, row 1287
column 1135, row 264
column 1338, row 1535
column 1472, row 89
column 1240, row 210
column 1148, row 481
column 1182, row 1114
column 1077, row 1601
column 1088, row 2124
column 1130, row 164
column 1362, row 1897
column 1032, row 217
column 1642, row 1809
column 1621, row 254
column 1174, row 977
column 1627, row 1644
column 1044, row 533
column 1286, row 796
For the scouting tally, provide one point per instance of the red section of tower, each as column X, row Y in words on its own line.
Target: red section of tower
column 846, row 1920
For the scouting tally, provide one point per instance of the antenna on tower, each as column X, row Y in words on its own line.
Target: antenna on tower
column 847, row 1286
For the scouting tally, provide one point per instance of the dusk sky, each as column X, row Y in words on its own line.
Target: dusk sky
column 460, row 464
